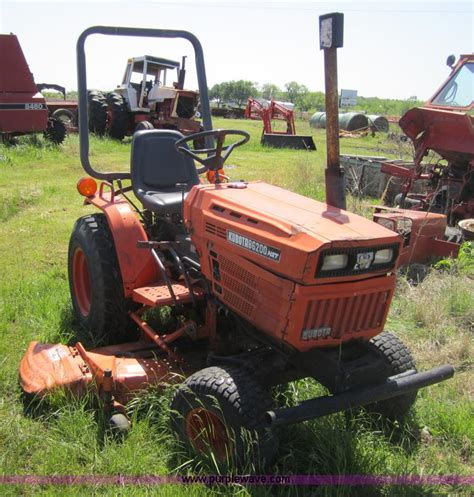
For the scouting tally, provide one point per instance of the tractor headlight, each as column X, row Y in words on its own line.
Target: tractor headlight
column 333, row 262
column 404, row 225
column 387, row 223
column 383, row 256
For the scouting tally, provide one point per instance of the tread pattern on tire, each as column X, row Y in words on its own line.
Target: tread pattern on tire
column 227, row 380
column 97, row 112
column 108, row 318
column 398, row 357
column 243, row 401
column 119, row 122
column 56, row 131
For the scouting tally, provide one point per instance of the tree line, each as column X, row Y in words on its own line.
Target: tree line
column 236, row 93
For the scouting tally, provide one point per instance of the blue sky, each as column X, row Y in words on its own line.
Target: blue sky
column 391, row 49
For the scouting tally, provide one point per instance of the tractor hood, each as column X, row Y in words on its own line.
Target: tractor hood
column 278, row 212
column 282, row 231
column 448, row 133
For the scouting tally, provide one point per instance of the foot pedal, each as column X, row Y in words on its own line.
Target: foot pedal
column 159, row 295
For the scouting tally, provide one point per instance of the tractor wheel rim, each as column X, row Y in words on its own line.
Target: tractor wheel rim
column 81, row 281
column 207, row 432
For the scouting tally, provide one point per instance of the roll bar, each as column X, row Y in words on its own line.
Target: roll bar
column 82, row 85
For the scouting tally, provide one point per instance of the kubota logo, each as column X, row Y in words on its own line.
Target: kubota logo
column 254, row 246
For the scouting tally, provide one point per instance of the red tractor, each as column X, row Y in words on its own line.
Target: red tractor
column 270, row 111
column 444, row 125
column 145, row 100
column 265, row 287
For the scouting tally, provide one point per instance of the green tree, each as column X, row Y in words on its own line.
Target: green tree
column 217, row 93
column 295, row 91
column 239, row 91
column 270, row 91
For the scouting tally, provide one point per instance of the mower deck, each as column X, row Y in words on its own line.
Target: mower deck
column 133, row 367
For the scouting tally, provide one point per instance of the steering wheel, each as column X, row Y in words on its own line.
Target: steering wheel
column 215, row 157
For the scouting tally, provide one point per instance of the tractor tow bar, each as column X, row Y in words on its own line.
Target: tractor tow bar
column 330, row 404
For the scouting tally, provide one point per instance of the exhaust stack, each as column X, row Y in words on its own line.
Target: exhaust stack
column 331, row 29
column 182, row 73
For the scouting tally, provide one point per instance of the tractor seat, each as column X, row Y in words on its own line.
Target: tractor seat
column 156, row 168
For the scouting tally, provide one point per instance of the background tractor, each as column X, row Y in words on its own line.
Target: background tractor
column 270, row 111
column 442, row 128
column 146, row 99
column 23, row 109
column 265, row 287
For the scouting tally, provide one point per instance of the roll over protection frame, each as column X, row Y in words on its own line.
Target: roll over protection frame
column 82, row 86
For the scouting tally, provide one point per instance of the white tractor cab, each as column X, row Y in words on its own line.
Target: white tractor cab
column 147, row 81
column 151, row 96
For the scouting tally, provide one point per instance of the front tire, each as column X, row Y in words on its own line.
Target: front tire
column 143, row 125
column 398, row 358
column 220, row 410
column 95, row 280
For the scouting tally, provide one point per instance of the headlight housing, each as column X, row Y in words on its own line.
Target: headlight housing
column 404, row 225
column 352, row 261
column 383, row 256
column 387, row 223
column 333, row 262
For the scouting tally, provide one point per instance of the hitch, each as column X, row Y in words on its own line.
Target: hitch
column 330, row 404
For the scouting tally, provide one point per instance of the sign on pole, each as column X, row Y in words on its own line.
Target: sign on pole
column 348, row 98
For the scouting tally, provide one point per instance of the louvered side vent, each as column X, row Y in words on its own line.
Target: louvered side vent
column 239, row 304
column 232, row 269
column 215, row 230
column 239, row 286
column 347, row 315
column 210, row 228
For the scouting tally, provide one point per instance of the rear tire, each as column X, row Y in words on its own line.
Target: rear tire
column 399, row 360
column 56, row 131
column 221, row 410
column 97, row 112
column 95, row 281
column 118, row 125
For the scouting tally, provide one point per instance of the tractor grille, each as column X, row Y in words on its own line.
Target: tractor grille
column 239, row 286
column 347, row 314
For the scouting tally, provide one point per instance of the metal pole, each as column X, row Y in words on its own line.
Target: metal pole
column 334, row 175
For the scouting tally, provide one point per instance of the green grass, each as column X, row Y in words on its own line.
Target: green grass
column 39, row 205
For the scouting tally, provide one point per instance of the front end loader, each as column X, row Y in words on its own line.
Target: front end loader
column 265, row 287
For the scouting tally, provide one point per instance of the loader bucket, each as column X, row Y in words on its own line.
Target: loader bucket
column 278, row 140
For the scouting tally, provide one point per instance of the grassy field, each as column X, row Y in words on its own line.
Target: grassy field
column 38, row 206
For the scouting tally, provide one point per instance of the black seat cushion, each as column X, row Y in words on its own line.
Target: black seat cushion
column 156, row 168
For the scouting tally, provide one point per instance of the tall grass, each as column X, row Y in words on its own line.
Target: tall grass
column 68, row 436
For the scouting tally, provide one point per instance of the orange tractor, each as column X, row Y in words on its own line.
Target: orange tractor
column 265, row 287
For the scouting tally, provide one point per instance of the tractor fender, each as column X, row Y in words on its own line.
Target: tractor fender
column 137, row 266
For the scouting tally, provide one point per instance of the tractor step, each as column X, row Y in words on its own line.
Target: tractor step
column 159, row 295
